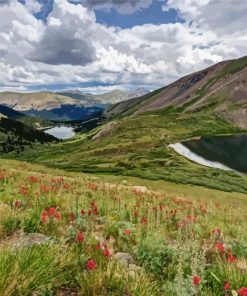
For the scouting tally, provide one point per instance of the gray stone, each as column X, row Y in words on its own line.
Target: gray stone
column 124, row 258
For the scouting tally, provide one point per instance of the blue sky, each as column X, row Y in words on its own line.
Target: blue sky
column 101, row 45
column 151, row 15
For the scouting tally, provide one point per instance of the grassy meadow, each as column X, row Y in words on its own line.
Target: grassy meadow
column 138, row 147
column 67, row 233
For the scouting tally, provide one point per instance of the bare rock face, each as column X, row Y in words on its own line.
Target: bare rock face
column 124, row 258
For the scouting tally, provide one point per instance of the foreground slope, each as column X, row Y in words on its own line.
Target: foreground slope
column 69, row 234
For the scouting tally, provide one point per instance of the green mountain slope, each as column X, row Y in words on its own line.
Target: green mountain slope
column 135, row 140
column 221, row 89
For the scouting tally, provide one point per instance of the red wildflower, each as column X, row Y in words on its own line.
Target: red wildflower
column 242, row 291
column 17, row 204
column 83, row 212
column 95, row 211
column 231, row 258
column 196, row 280
column 106, row 253
column 58, row 215
column 51, row 211
column 23, row 190
column 98, row 247
column 33, row 179
column 216, row 230
column 80, row 237
column 127, row 232
column 220, row 247
column 144, row 220
column 227, row 286
column 91, row 264
column 71, row 216
column 44, row 216
column 136, row 214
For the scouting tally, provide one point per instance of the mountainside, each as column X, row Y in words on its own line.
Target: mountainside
column 17, row 136
column 65, row 105
column 10, row 113
column 221, row 88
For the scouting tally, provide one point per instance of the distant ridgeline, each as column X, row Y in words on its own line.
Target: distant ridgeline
column 17, row 136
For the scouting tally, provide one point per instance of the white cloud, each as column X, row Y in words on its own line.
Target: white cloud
column 122, row 6
column 71, row 47
column 33, row 6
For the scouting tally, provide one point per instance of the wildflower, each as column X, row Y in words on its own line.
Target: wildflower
column 127, row 232
column 33, row 179
column 216, row 230
column 51, row 211
column 196, row 280
column 242, row 291
column 71, row 216
column 17, row 204
column 227, row 286
column 80, row 237
column 23, row 190
column 44, row 216
column 144, row 220
column 98, row 247
column 220, row 247
column 136, row 214
column 231, row 258
column 91, row 264
column 83, row 212
column 57, row 215
column 106, row 253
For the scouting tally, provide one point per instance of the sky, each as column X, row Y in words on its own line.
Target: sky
column 100, row 45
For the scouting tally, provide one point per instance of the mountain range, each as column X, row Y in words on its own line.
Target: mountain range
column 65, row 105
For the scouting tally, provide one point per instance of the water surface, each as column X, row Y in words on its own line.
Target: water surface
column 224, row 152
column 61, row 132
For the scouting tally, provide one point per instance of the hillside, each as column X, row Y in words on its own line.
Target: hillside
column 221, row 89
column 17, row 136
column 72, row 234
column 10, row 113
column 35, row 122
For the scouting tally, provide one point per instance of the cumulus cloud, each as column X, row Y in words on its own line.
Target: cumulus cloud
column 72, row 48
column 122, row 6
column 222, row 16
column 66, row 37
column 33, row 6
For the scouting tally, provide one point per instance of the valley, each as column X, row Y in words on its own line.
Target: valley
column 107, row 206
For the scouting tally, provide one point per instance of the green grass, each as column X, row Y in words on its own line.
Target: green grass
column 138, row 146
column 171, row 237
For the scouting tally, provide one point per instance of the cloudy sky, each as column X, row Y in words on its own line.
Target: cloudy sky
column 100, row 45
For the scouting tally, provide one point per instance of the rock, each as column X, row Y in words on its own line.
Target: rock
column 141, row 189
column 29, row 240
column 124, row 182
column 124, row 258
column 134, row 267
